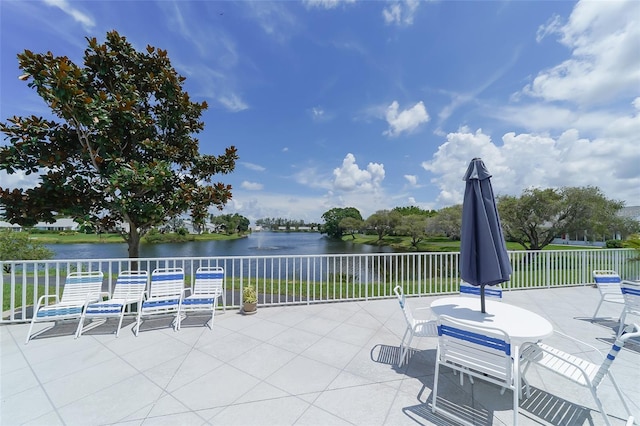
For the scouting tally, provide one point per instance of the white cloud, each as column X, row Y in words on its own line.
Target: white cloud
column 349, row 177
column 400, row 12
column 326, row 4
column 252, row 166
column 405, row 121
column 251, row 186
column 529, row 160
column 233, row 102
column 412, row 179
column 604, row 38
column 85, row 20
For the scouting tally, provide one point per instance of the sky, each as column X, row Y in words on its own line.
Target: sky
column 375, row 104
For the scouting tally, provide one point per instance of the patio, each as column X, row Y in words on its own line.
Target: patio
column 324, row 364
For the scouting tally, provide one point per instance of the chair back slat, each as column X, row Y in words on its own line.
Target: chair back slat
column 130, row 284
column 631, row 293
column 80, row 284
column 490, row 291
column 607, row 281
column 209, row 280
column 166, row 282
column 481, row 350
column 402, row 301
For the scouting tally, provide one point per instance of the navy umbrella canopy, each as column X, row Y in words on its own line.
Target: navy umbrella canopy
column 483, row 252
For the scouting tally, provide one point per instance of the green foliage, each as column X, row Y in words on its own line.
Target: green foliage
column 18, row 246
column 249, row 294
column 614, row 244
column 123, row 149
column 414, row 226
column 333, row 217
column 447, row 222
column 539, row 215
column 383, row 222
column 414, row 211
column 350, row 225
column 231, row 223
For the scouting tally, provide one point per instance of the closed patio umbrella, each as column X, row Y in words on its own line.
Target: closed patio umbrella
column 483, row 252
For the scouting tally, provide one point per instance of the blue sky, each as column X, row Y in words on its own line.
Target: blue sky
column 373, row 104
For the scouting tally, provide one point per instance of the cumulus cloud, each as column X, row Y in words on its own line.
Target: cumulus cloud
column 529, row 160
column 605, row 61
column 349, row 176
column 400, row 12
column 405, row 121
column 326, row 4
column 251, row 186
column 412, row 179
column 85, row 20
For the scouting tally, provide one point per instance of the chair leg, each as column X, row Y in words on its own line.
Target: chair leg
column 600, row 407
column 615, row 385
column 434, row 398
column 405, row 352
column 402, row 349
column 623, row 317
column 597, row 309
column 33, row 320
column 120, row 321
column 80, row 326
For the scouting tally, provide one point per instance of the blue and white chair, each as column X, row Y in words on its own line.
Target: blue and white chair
column 415, row 327
column 577, row 370
column 207, row 288
column 631, row 294
column 608, row 283
column 129, row 289
column 493, row 292
column 164, row 296
column 80, row 289
column 481, row 352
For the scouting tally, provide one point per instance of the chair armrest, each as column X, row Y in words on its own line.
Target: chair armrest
column 46, row 296
column 580, row 342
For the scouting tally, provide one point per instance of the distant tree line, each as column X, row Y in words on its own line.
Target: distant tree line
column 533, row 220
column 275, row 223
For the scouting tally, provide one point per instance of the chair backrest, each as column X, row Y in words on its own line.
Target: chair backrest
column 209, row 280
column 130, row 284
column 80, row 284
column 166, row 282
column 613, row 352
column 607, row 281
column 631, row 293
column 481, row 350
column 493, row 292
column 408, row 316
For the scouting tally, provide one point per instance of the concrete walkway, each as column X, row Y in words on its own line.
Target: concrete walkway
column 328, row 364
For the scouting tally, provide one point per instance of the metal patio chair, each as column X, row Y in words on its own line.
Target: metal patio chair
column 164, row 296
column 207, row 288
column 480, row 352
column 415, row 327
column 80, row 289
column 580, row 371
column 129, row 289
column 608, row 283
column 631, row 294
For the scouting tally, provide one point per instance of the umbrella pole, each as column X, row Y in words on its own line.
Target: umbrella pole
column 482, row 309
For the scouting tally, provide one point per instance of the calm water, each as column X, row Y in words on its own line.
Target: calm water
column 256, row 244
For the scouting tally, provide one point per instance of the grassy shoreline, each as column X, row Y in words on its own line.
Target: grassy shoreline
column 78, row 238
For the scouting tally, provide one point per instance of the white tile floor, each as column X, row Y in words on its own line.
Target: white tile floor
column 329, row 364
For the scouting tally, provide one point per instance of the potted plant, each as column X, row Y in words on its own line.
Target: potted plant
column 249, row 300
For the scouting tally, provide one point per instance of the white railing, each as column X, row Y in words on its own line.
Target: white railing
column 291, row 279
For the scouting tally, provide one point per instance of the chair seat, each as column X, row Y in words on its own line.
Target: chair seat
column 565, row 364
column 161, row 302
column 60, row 310
column 425, row 328
column 110, row 307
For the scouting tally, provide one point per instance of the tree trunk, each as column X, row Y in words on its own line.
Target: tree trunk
column 133, row 242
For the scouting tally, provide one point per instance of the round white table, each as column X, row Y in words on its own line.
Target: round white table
column 520, row 324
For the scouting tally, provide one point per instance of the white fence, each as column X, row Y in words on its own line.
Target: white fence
column 290, row 279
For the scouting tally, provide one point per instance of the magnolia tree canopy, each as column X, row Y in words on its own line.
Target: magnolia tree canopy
column 120, row 148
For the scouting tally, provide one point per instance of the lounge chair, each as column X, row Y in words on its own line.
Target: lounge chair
column 80, row 289
column 164, row 295
column 129, row 289
column 207, row 288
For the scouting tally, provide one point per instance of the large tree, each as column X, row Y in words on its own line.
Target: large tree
column 538, row 216
column 333, row 217
column 383, row 222
column 121, row 153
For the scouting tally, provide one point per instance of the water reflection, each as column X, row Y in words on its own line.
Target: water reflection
column 256, row 244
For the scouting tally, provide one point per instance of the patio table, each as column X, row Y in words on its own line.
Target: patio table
column 520, row 324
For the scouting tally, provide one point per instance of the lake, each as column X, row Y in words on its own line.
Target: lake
column 256, row 244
